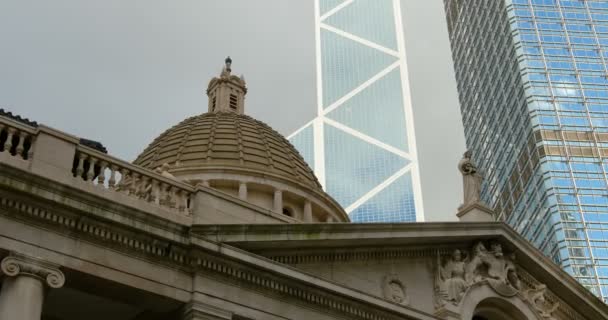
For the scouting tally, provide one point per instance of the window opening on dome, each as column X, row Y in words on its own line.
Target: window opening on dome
column 233, row 101
column 213, row 103
column 288, row 211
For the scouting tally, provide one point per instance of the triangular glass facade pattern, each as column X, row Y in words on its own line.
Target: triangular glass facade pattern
column 354, row 167
column 361, row 112
column 327, row 5
column 368, row 19
column 394, row 204
column 363, row 142
column 347, row 64
column 304, row 143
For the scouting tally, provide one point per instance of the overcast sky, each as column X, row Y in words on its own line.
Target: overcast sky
column 123, row 71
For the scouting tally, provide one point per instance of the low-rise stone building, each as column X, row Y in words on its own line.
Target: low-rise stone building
column 221, row 218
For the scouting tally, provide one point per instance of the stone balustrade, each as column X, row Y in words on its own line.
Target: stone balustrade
column 16, row 139
column 116, row 175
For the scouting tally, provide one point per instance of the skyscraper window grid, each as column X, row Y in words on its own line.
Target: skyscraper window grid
column 532, row 78
column 364, row 150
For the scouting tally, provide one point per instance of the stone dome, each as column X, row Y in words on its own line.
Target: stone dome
column 227, row 151
column 219, row 140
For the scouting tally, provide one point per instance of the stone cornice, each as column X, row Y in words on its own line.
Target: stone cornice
column 197, row 254
column 16, row 265
column 172, row 245
column 330, row 237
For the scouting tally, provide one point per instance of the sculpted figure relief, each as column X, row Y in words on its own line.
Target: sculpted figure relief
column 394, row 290
column 456, row 274
column 471, row 179
column 536, row 297
column 495, row 268
column 452, row 277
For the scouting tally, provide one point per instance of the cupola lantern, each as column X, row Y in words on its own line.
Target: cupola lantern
column 227, row 92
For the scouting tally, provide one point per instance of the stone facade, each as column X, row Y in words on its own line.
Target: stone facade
column 84, row 235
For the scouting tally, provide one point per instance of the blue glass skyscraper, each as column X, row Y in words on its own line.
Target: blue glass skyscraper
column 533, row 83
column 361, row 143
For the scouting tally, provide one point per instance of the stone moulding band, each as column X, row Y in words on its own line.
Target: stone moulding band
column 19, row 265
column 181, row 256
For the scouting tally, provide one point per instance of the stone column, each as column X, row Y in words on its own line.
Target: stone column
column 22, row 292
column 242, row 191
column 278, row 201
column 307, row 211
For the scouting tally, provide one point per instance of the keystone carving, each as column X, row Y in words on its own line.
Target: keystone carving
column 457, row 273
column 394, row 290
column 16, row 265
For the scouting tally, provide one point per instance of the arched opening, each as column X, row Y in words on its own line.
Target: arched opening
column 288, row 211
column 497, row 309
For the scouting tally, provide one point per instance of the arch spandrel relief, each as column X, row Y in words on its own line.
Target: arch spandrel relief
column 460, row 273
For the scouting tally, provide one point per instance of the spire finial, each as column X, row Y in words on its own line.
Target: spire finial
column 228, row 62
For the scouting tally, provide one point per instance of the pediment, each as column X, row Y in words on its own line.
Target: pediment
column 417, row 265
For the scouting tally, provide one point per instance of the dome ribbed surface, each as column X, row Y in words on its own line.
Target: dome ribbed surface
column 226, row 139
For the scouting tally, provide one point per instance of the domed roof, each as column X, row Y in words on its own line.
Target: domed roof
column 223, row 140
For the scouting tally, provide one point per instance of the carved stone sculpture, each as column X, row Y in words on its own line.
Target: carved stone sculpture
column 457, row 274
column 471, row 180
column 164, row 171
column 451, row 274
column 493, row 267
column 394, row 290
column 536, row 297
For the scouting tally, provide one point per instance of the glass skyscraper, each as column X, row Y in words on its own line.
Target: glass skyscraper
column 361, row 143
column 533, row 85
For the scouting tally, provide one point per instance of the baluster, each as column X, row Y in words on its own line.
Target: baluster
column 30, row 151
column 125, row 180
column 2, row 128
column 134, row 183
column 162, row 194
column 144, row 188
column 171, row 197
column 91, row 172
column 101, row 179
column 21, row 144
column 9, row 139
column 112, row 180
column 80, row 168
column 179, row 196
column 184, row 204
column 155, row 191
column 187, row 203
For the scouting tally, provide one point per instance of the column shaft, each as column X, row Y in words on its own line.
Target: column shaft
column 307, row 211
column 21, row 298
column 278, row 201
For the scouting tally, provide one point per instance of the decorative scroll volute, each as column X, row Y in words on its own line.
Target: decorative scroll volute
column 15, row 265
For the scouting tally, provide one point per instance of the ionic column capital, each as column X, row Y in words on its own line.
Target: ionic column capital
column 16, row 265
